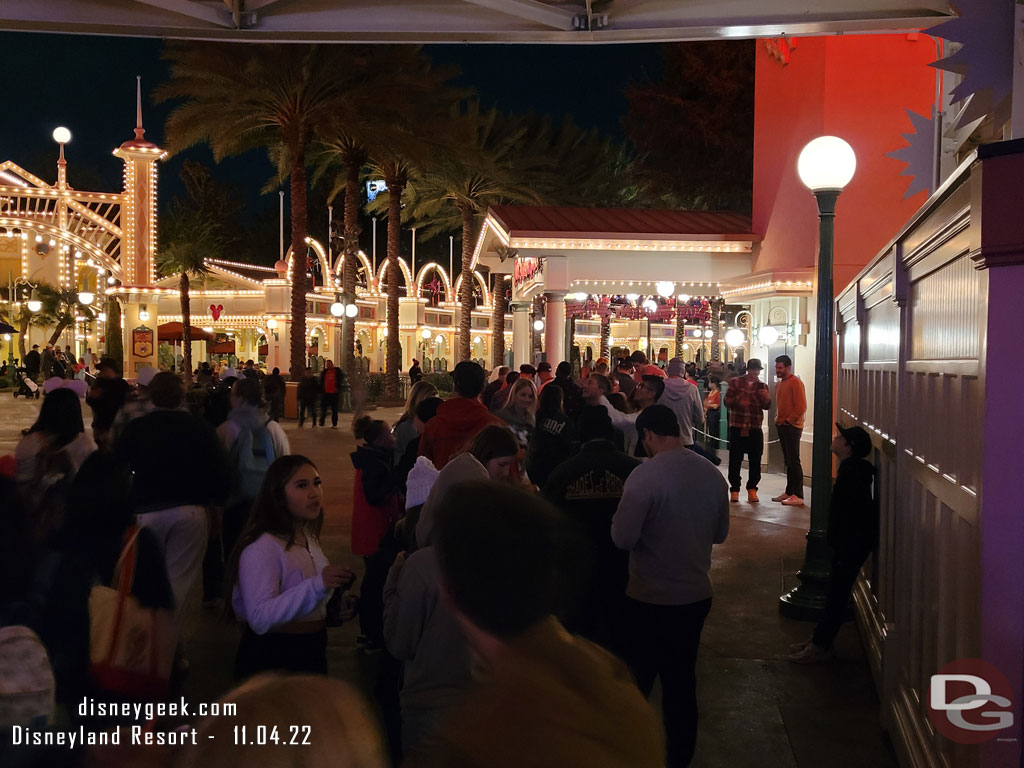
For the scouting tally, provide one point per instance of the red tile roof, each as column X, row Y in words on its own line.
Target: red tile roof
column 551, row 220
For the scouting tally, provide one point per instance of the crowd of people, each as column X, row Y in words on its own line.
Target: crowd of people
column 536, row 548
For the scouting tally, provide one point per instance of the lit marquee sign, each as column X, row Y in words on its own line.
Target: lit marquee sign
column 526, row 269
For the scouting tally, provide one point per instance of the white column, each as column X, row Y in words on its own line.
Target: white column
column 521, row 352
column 554, row 326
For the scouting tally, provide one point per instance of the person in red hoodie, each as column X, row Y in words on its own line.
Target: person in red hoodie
column 376, row 506
column 458, row 419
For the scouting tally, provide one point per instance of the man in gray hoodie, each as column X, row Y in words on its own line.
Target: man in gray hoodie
column 674, row 507
column 420, row 628
column 684, row 399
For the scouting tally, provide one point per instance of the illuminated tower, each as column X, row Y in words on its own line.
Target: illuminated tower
column 138, row 212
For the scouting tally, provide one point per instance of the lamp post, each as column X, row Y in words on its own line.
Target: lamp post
column 825, row 166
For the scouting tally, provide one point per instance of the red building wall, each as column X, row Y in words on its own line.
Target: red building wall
column 856, row 87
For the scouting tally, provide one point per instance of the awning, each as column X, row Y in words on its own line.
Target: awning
column 175, row 332
column 223, row 348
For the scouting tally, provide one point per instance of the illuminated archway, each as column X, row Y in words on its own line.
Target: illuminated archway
column 403, row 267
column 484, row 293
column 340, row 263
column 448, row 294
column 325, row 264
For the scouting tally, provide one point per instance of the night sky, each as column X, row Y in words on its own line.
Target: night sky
column 87, row 83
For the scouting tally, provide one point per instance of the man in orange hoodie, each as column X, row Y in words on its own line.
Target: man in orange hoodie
column 791, row 405
column 458, row 419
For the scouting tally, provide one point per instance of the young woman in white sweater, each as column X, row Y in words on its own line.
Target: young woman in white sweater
column 279, row 579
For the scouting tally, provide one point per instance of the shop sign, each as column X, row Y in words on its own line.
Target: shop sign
column 142, row 341
column 526, row 269
column 578, row 309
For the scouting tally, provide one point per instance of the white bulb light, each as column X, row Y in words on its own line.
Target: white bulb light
column 683, row 297
column 826, row 163
column 538, row 325
column 271, row 324
column 34, row 305
column 696, row 333
column 768, row 335
column 632, row 296
column 734, row 337
column 85, row 297
column 686, row 346
column 477, row 339
column 665, row 289
column 61, row 135
column 102, row 317
column 337, row 309
column 579, row 297
column 385, row 332
column 439, row 339
column 351, row 310
column 708, row 333
column 111, row 280
column 426, row 334
column 650, row 305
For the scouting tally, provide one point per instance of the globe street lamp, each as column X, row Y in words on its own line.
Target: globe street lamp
column 825, row 166
column 34, row 304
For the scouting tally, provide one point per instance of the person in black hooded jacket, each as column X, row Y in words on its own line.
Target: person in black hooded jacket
column 852, row 535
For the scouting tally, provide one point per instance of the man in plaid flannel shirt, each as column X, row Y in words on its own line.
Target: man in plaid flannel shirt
column 746, row 400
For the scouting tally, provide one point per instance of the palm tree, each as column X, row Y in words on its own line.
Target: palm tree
column 277, row 97
column 492, row 165
column 187, row 238
column 401, row 94
column 396, row 175
column 60, row 308
column 192, row 230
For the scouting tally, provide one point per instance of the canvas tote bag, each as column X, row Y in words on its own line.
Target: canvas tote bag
column 131, row 648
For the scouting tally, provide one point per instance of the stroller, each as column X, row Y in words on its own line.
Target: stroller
column 28, row 386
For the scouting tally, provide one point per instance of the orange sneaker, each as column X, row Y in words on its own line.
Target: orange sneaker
column 734, row 496
column 752, row 496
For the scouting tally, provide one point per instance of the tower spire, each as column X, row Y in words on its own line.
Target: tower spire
column 140, row 132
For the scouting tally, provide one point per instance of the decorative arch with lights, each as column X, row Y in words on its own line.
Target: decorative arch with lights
column 403, row 267
column 325, row 264
column 485, row 295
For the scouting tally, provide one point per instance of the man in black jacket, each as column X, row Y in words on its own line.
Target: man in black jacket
column 180, row 469
column 587, row 488
column 852, row 535
column 33, row 363
column 572, row 397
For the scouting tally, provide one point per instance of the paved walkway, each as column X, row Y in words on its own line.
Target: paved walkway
column 757, row 709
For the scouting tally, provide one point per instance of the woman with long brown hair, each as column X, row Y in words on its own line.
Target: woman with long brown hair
column 279, row 579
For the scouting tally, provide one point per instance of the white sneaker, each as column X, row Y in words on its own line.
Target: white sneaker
column 793, row 501
column 781, row 497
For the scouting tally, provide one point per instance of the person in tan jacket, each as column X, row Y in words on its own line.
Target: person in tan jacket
column 545, row 698
column 791, row 405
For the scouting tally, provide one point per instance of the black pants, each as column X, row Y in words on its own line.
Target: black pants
column 789, row 440
column 663, row 642
column 371, row 594
column 219, row 549
column 712, row 426
column 307, row 407
column 329, row 400
column 752, row 446
column 281, row 652
column 845, row 567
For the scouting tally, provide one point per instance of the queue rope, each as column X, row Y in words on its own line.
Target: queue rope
column 723, row 440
